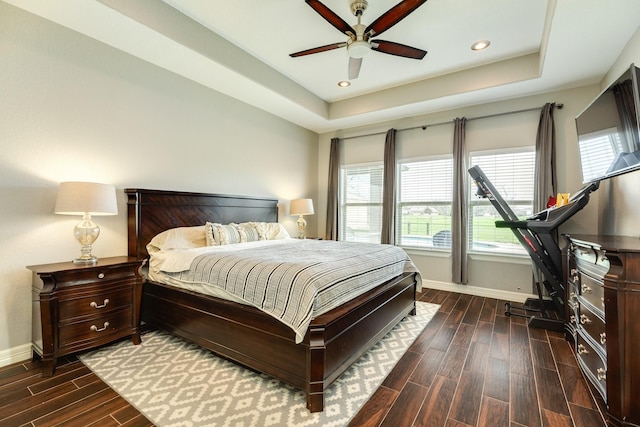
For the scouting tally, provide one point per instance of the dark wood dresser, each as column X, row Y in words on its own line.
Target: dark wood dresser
column 77, row 307
column 603, row 305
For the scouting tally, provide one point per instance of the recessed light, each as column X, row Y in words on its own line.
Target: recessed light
column 480, row 45
column 344, row 83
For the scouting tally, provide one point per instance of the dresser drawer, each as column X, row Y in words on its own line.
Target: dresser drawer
column 591, row 260
column 592, row 364
column 95, row 303
column 592, row 291
column 95, row 328
column 593, row 326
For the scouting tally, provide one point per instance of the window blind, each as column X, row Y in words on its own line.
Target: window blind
column 512, row 174
column 423, row 208
column 361, row 202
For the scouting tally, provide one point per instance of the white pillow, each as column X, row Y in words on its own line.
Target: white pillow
column 275, row 231
column 179, row 238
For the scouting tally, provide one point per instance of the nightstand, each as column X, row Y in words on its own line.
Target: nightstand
column 77, row 307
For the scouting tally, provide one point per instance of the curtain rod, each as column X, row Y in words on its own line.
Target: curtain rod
column 424, row 127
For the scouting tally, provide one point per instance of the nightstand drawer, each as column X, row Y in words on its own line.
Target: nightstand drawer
column 95, row 304
column 94, row 275
column 95, row 328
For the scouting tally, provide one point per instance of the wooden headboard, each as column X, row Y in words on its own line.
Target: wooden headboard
column 150, row 212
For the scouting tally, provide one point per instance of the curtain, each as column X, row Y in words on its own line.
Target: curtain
column 331, row 232
column 623, row 93
column 545, row 169
column 389, row 189
column 546, row 183
column 459, row 236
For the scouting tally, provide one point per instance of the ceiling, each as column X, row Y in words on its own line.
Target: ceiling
column 241, row 48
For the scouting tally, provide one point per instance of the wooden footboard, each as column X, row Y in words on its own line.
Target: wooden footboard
column 247, row 336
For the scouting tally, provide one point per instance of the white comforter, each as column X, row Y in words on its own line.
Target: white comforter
column 292, row 280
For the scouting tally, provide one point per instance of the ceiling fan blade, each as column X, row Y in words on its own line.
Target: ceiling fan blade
column 354, row 67
column 331, row 17
column 397, row 49
column 318, row 49
column 392, row 16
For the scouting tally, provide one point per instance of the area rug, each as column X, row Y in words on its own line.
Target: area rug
column 177, row 384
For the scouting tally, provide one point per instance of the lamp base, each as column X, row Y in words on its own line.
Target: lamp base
column 86, row 233
column 302, row 224
column 86, row 260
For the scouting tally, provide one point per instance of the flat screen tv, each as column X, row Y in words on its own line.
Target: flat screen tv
column 609, row 132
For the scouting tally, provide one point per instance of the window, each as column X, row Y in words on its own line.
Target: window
column 423, row 208
column 512, row 174
column 361, row 203
column 597, row 152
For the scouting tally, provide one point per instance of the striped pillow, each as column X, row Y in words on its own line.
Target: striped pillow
column 218, row 234
column 251, row 232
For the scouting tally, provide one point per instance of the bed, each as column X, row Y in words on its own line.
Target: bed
column 242, row 333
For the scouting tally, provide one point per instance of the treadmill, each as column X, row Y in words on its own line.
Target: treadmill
column 537, row 234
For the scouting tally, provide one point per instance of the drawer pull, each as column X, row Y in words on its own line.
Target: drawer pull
column 100, row 275
column 104, row 304
column 94, row 328
column 584, row 319
column 586, row 289
column 602, row 374
column 603, row 338
column 582, row 349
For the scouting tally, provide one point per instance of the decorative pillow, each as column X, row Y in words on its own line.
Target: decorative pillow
column 218, row 234
column 275, row 231
column 251, row 232
column 179, row 238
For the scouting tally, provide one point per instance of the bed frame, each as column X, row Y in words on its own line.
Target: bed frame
column 242, row 333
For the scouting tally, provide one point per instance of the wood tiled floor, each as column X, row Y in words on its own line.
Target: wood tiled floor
column 471, row 366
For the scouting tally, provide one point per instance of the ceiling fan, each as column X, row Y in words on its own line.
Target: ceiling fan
column 360, row 40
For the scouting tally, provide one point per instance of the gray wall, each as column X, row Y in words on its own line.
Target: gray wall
column 75, row 109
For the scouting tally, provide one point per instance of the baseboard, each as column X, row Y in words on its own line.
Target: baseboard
column 477, row 291
column 13, row 355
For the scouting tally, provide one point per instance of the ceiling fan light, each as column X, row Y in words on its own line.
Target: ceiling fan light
column 358, row 49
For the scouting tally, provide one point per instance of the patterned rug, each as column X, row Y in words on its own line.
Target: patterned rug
column 177, row 384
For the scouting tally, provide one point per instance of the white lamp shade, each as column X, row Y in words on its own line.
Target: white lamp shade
column 301, row 207
column 78, row 198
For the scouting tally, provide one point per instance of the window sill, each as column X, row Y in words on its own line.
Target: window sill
column 432, row 252
column 503, row 258
column 475, row 256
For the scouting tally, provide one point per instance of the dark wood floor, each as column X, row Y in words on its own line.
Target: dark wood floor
column 471, row 366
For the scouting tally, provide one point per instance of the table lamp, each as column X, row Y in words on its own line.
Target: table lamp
column 301, row 207
column 86, row 199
